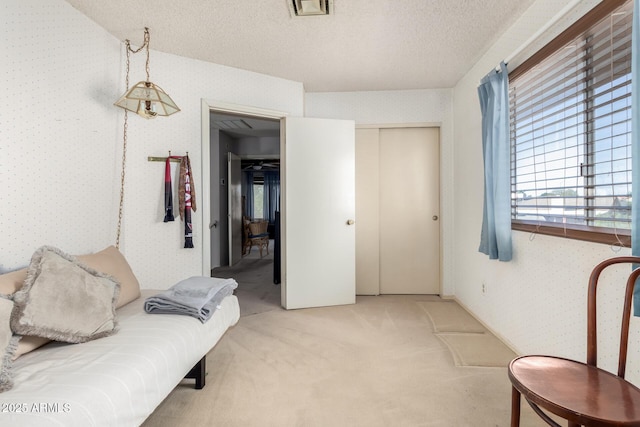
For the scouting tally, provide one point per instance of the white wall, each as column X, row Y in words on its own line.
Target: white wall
column 537, row 302
column 60, row 144
column 433, row 106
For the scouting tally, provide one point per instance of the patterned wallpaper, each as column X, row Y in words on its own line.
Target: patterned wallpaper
column 61, row 139
column 57, row 131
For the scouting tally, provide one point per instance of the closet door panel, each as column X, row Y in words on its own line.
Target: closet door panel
column 409, row 211
column 367, row 212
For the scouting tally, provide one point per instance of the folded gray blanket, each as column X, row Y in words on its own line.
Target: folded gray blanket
column 197, row 296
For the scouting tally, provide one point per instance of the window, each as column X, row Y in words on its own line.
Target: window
column 258, row 197
column 570, row 118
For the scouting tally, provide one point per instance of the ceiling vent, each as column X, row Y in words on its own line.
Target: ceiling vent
column 231, row 124
column 310, row 7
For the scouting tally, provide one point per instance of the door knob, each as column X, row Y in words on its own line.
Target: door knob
column 350, row 222
column 214, row 224
column 435, row 217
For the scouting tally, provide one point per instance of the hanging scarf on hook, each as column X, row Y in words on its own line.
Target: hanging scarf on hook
column 168, row 196
column 187, row 199
column 186, row 196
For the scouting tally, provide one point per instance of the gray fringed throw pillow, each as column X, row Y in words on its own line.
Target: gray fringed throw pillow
column 64, row 300
column 8, row 344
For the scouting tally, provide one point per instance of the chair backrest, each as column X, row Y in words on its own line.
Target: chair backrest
column 245, row 227
column 592, row 336
column 258, row 227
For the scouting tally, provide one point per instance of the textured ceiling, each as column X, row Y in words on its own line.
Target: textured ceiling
column 363, row 45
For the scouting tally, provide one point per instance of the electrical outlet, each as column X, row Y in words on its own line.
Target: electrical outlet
column 484, row 288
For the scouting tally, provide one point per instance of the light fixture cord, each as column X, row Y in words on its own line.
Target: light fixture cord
column 126, row 125
column 124, row 150
column 146, row 43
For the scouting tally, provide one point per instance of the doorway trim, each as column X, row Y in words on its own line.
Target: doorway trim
column 208, row 106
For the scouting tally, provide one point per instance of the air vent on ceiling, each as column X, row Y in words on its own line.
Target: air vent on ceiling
column 310, row 7
column 231, row 124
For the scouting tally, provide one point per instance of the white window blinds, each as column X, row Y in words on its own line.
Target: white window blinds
column 570, row 118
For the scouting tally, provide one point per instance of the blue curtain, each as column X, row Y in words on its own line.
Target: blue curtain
column 495, row 237
column 271, row 200
column 635, row 144
column 247, row 192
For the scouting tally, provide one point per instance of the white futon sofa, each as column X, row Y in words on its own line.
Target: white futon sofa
column 114, row 380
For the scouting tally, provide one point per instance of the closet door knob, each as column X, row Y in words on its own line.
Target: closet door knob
column 435, row 217
column 350, row 222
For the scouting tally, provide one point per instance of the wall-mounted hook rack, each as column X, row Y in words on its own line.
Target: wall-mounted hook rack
column 164, row 159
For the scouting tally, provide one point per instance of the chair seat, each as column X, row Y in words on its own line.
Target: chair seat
column 576, row 391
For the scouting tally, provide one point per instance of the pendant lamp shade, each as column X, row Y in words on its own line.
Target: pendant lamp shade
column 147, row 100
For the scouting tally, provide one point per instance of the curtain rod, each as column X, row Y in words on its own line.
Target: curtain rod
column 541, row 31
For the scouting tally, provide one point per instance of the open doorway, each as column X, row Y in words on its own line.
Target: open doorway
column 318, row 189
column 245, row 206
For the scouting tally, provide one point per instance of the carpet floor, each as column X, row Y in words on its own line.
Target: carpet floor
column 379, row 362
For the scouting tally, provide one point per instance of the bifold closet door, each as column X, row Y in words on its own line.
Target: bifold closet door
column 368, row 211
column 409, row 211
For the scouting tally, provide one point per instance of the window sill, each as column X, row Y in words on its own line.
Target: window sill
column 608, row 236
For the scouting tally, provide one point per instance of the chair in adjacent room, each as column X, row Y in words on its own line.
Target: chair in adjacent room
column 255, row 235
column 581, row 393
column 246, row 243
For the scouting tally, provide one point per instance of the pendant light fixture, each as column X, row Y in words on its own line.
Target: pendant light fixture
column 145, row 98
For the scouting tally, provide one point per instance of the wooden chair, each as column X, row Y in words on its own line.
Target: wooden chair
column 580, row 393
column 256, row 234
column 246, row 243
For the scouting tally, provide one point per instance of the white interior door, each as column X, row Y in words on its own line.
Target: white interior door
column 318, row 232
column 235, row 208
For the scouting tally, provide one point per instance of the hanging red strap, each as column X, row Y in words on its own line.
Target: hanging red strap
column 168, row 193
